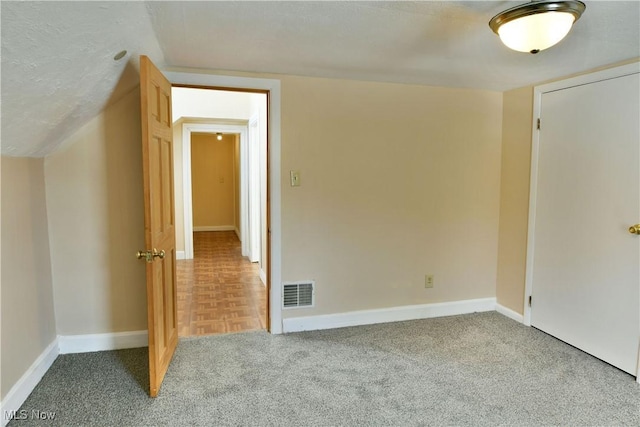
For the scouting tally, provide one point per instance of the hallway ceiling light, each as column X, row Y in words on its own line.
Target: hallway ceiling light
column 537, row 25
column 219, row 136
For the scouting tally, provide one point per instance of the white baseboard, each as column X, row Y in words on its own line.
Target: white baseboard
column 509, row 313
column 25, row 385
column 237, row 233
column 263, row 277
column 102, row 342
column 638, row 366
column 180, row 255
column 214, row 228
column 384, row 315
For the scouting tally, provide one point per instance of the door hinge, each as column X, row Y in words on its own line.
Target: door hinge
column 529, row 300
column 538, row 124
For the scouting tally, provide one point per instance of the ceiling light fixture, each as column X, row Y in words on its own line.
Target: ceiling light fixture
column 219, row 136
column 536, row 26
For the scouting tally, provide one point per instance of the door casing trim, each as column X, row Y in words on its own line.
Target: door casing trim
column 273, row 87
column 212, row 127
column 538, row 91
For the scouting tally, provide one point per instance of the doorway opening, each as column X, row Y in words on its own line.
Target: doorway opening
column 221, row 182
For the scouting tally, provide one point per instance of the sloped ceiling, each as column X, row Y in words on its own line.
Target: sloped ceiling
column 58, row 69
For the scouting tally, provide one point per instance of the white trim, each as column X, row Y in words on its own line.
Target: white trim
column 244, row 193
column 273, row 86
column 509, row 313
column 180, row 255
column 187, row 214
column 254, row 217
column 609, row 73
column 638, row 369
column 263, row 277
column 384, row 315
column 237, row 233
column 538, row 91
column 29, row 380
column 213, row 126
column 213, row 228
column 101, row 342
column 533, row 194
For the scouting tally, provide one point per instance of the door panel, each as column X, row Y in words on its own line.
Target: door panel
column 586, row 277
column 157, row 165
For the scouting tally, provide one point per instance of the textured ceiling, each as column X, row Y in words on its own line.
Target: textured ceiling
column 58, row 69
column 433, row 43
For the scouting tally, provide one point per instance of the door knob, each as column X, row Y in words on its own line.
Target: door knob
column 150, row 255
column 635, row 229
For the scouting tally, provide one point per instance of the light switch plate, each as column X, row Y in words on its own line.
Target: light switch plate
column 295, row 178
column 428, row 281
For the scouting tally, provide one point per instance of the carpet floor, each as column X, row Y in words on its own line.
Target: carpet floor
column 477, row 369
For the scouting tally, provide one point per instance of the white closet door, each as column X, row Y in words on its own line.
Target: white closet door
column 586, row 264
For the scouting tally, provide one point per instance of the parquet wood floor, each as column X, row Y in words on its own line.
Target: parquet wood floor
column 219, row 291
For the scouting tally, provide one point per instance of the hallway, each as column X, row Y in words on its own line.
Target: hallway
column 219, row 291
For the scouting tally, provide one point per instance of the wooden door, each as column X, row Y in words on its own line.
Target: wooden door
column 586, row 277
column 159, row 220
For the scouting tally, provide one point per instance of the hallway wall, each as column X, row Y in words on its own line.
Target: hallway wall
column 213, row 181
column 398, row 181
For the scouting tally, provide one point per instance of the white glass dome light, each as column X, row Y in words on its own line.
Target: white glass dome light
column 536, row 26
column 534, row 33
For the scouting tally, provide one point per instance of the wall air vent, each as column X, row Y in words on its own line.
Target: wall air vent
column 299, row 294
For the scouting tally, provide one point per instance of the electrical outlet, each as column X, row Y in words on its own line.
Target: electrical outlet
column 428, row 281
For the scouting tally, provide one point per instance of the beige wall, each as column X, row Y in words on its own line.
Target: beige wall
column 28, row 321
column 212, row 180
column 397, row 181
column 514, row 197
column 95, row 205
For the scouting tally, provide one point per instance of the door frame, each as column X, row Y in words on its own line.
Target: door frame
column 254, row 207
column 212, row 127
column 538, row 91
column 274, row 212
